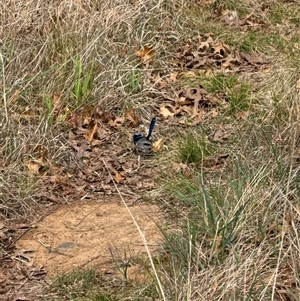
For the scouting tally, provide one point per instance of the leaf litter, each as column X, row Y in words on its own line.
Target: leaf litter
column 96, row 136
column 202, row 52
column 191, row 105
column 99, row 144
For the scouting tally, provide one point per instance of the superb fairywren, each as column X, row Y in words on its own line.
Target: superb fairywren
column 143, row 143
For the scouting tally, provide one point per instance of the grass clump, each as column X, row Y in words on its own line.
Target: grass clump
column 238, row 94
column 253, row 41
column 240, row 98
column 135, row 81
column 193, row 149
column 227, row 220
column 83, row 82
column 82, row 285
column 221, row 83
column 210, row 219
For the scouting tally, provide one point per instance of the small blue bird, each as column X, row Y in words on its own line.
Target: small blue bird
column 143, row 144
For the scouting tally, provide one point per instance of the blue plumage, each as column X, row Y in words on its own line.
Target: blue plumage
column 141, row 142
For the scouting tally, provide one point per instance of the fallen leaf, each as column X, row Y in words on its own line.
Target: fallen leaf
column 220, row 49
column 229, row 65
column 130, row 115
column 215, row 162
column 60, row 179
column 230, row 16
column 15, row 96
column 253, row 59
column 118, row 178
column 117, row 122
column 102, row 133
column 182, row 168
column 35, row 166
column 56, row 100
column 178, row 167
column 204, row 54
column 146, row 183
column 40, row 151
column 198, row 117
column 242, row 115
column 91, row 131
column 157, row 145
column 159, row 82
column 184, row 110
column 74, row 120
column 165, row 112
column 146, row 54
column 173, row 77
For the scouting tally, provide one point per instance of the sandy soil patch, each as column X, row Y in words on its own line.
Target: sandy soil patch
column 92, row 233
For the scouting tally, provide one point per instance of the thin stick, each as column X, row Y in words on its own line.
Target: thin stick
column 141, row 234
column 3, row 84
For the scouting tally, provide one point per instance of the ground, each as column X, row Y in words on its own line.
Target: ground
column 211, row 212
column 88, row 234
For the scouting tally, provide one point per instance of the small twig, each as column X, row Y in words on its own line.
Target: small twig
column 92, row 259
column 41, row 218
column 22, row 284
column 51, row 249
column 88, row 214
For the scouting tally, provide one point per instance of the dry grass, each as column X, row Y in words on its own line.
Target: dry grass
column 237, row 235
column 42, row 47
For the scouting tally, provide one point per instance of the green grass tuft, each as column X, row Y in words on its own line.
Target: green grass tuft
column 83, row 82
column 193, row 149
column 240, row 98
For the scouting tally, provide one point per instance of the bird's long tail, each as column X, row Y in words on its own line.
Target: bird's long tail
column 152, row 124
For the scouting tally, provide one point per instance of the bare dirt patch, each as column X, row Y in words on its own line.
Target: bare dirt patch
column 92, row 233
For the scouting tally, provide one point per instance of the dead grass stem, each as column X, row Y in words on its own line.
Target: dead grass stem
column 237, row 235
